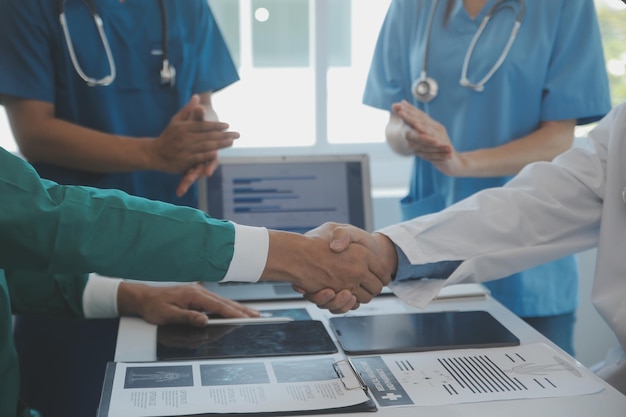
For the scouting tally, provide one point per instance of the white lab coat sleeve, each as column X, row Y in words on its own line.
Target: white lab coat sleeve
column 547, row 211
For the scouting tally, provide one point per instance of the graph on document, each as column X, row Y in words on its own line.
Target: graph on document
column 450, row 377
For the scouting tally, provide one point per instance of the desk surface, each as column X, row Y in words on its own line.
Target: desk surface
column 137, row 342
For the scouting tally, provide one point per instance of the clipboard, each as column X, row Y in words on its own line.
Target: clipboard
column 350, row 378
column 343, row 369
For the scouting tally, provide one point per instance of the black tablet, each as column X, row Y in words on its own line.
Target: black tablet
column 307, row 337
column 417, row 332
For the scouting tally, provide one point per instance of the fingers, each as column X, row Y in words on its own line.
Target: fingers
column 336, row 303
column 210, row 167
column 184, row 145
column 321, row 298
column 209, row 302
column 189, row 140
column 186, row 112
column 177, row 315
column 428, row 146
column 339, row 235
column 343, row 235
column 426, row 137
column 184, row 304
column 192, row 175
column 188, row 179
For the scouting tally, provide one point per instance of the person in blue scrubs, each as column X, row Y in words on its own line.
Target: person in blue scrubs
column 465, row 138
column 141, row 133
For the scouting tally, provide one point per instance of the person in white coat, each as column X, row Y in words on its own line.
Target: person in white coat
column 549, row 210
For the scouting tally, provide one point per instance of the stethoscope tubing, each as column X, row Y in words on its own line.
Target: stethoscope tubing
column 106, row 80
column 425, row 88
column 168, row 72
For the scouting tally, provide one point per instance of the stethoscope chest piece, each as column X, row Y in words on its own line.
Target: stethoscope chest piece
column 425, row 89
column 168, row 74
column 624, row 195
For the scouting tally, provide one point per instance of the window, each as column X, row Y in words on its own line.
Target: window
column 303, row 65
column 309, row 102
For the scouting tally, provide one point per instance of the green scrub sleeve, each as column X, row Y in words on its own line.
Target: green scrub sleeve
column 47, row 229
column 59, row 295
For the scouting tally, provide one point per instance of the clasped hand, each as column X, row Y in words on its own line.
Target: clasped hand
column 428, row 139
column 189, row 144
column 373, row 252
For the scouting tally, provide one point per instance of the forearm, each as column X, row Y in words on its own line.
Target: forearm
column 42, row 293
column 61, row 143
column 544, row 144
column 42, row 137
column 51, row 228
column 285, row 257
column 507, row 229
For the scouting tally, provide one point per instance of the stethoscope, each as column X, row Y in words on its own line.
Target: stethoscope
column 425, row 88
column 168, row 72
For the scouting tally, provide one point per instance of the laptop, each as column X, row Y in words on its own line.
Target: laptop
column 291, row 193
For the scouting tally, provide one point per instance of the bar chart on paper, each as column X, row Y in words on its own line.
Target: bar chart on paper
column 473, row 375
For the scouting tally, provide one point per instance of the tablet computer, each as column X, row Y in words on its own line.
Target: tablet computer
column 307, row 337
column 417, row 332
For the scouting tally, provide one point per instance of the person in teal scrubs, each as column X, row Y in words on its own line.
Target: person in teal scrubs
column 135, row 133
column 52, row 236
column 483, row 121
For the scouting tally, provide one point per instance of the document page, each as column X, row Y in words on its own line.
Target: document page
column 473, row 375
column 226, row 386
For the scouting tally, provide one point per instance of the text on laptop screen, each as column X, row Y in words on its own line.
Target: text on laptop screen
column 295, row 194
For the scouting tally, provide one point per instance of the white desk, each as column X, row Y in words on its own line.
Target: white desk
column 137, row 342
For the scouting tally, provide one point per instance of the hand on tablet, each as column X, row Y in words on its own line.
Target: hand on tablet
column 181, row 304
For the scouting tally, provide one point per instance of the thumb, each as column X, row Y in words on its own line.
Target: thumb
column 340, row 239
column 190, row 317
column 197, row 113
column 188, row 110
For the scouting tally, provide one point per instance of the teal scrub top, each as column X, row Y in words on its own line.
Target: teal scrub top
column 36, row 65
column 52, row 236
column 554, row 71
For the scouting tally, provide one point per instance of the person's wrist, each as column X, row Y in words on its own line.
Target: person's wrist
column 388, row 253
column 149, row 155
column 282, row 258
column 295, row 258
column 129, row 298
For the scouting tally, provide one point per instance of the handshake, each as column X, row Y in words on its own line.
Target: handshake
column 335, row 266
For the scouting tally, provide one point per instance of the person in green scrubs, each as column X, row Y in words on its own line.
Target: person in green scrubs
column 53, row 236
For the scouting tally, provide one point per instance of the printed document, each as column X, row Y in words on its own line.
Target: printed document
column 262, row 385
column 473, row 375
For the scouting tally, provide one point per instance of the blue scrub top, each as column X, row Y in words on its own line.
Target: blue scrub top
column 554, row 71
column 36, row 65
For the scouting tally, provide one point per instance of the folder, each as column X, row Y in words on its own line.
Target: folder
column 277, row 386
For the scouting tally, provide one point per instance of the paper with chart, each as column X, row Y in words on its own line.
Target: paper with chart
column 476, row 375
column 263, row 385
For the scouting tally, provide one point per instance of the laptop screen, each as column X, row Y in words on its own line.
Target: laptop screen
column 291, row 193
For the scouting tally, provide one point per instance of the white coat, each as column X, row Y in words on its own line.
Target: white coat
column 547, row 211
